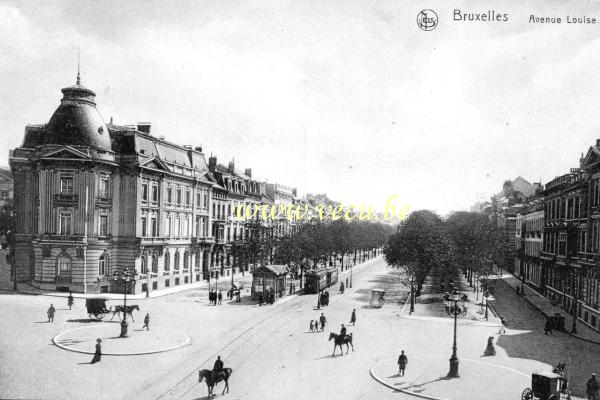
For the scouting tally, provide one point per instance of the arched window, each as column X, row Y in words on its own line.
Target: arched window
column 144, row 265
column 176, row 260
column 198, row 255
column 155, row 264
column 102, row 270
column 167, row 261
column 185, row 260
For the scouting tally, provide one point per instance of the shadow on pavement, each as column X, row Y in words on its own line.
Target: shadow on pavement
column 531, row 343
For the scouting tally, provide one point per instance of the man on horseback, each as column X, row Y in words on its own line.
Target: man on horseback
column 217, row 368
column 343, row 332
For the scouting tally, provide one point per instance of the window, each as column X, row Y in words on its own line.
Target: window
column 198, row 198
column 188, row 197
column 167, row 282
column 154, row 227
column 168, row 225
column 144, row 265
column 66, row 185
column 176, row 267
column 63, row 266
column 103, row 225
column 102, row 270
column 154, row 264
column 167, row 261
column 205, row 199
column 178, row 196
column 65, row 226
column 4, row 194
column 169, row 194
column 154, row 193
column 144, row 229
column 145, row 191
column 103, row 190
column 178, row 227
column 214, row 213
column 185, row 260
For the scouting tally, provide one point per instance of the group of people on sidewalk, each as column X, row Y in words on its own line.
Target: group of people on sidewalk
column 215, row 298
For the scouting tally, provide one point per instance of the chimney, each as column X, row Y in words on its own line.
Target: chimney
column 144, row 127
column 248, row 172
column 231, row 167
column 212, row 163
column 198, row 149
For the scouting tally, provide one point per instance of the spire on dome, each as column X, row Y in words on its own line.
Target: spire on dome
column 78, row 65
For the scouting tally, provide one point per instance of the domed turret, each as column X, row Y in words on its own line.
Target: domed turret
column 76, row 121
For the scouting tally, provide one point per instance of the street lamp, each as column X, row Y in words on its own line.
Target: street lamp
column 453, row 308
column 125, row 277
column 351, row 267
column 412, row 296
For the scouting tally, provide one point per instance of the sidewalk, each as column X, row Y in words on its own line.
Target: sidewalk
column 543, row 305
column 430, row 305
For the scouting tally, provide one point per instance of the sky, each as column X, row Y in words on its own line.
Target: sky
column 350, row 98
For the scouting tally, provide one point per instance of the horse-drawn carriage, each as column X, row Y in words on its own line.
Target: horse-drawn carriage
column 548, row 386
column 97, row 308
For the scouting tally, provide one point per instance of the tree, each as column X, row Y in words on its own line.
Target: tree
column 421, row 247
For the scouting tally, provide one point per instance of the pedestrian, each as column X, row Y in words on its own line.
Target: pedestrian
column 98, row 353
column 260, row 299
column 210, row 297
column 502, row 325
column 146, row 322
column 311, row 326
column 220, row 297
column 70, row 300
column 490, row 350
column 341, row 287
column 323, row 320
column 51, row 312
column 548, row 326
column 591, row 388
column 237, row 296
column 402, row 361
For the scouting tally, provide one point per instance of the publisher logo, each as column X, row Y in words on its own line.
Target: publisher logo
column 427, row 20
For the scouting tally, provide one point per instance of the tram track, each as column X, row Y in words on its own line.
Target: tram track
column 279, row 318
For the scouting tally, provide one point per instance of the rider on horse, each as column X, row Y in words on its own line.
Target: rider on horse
column 217, row 368
column 343, row 332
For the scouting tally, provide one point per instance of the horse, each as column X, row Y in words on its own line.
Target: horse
column 338, row 340
column 125, row 311
column 220, row 376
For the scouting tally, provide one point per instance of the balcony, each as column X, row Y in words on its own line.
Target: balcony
column 202, row 239
column 63, row 278
column 148, row 240
column 65, row 199
column 103, row 201
column 63, row 238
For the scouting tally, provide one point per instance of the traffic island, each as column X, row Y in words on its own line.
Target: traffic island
column 426, row 377
column 155, row 340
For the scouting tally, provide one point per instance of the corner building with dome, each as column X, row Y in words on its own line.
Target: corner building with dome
column 92, row 198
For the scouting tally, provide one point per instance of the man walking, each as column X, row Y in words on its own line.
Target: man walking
column 548, row 326
column 502, row 325
column 353, row 317
column 322, row 320
column 70, row 300
column 220, row 297
column 591, row 388
column 51, row 312
column 402, row 361
column 146, row 322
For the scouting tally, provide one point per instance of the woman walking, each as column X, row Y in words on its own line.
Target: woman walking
column 353, row 317
column 98, row 353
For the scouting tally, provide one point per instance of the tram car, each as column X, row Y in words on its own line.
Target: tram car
column 319, row 279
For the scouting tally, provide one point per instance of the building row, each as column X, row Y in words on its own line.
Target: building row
column 91, row 198
column 553, row 236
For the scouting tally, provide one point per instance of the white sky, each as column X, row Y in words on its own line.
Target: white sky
column 345, row 97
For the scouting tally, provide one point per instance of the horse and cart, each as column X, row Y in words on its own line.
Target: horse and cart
column 96, row 308
column 548, row 386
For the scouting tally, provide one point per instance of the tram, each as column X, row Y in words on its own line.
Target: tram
column 319, row 279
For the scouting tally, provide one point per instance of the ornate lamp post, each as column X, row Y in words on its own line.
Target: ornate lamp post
column 453, row 308
column 125, row 277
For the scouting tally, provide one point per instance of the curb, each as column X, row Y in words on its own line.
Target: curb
column 187, row 342
column 424, row 396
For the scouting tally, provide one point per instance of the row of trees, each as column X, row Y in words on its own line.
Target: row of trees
column 427, row 244
column 311, row 245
